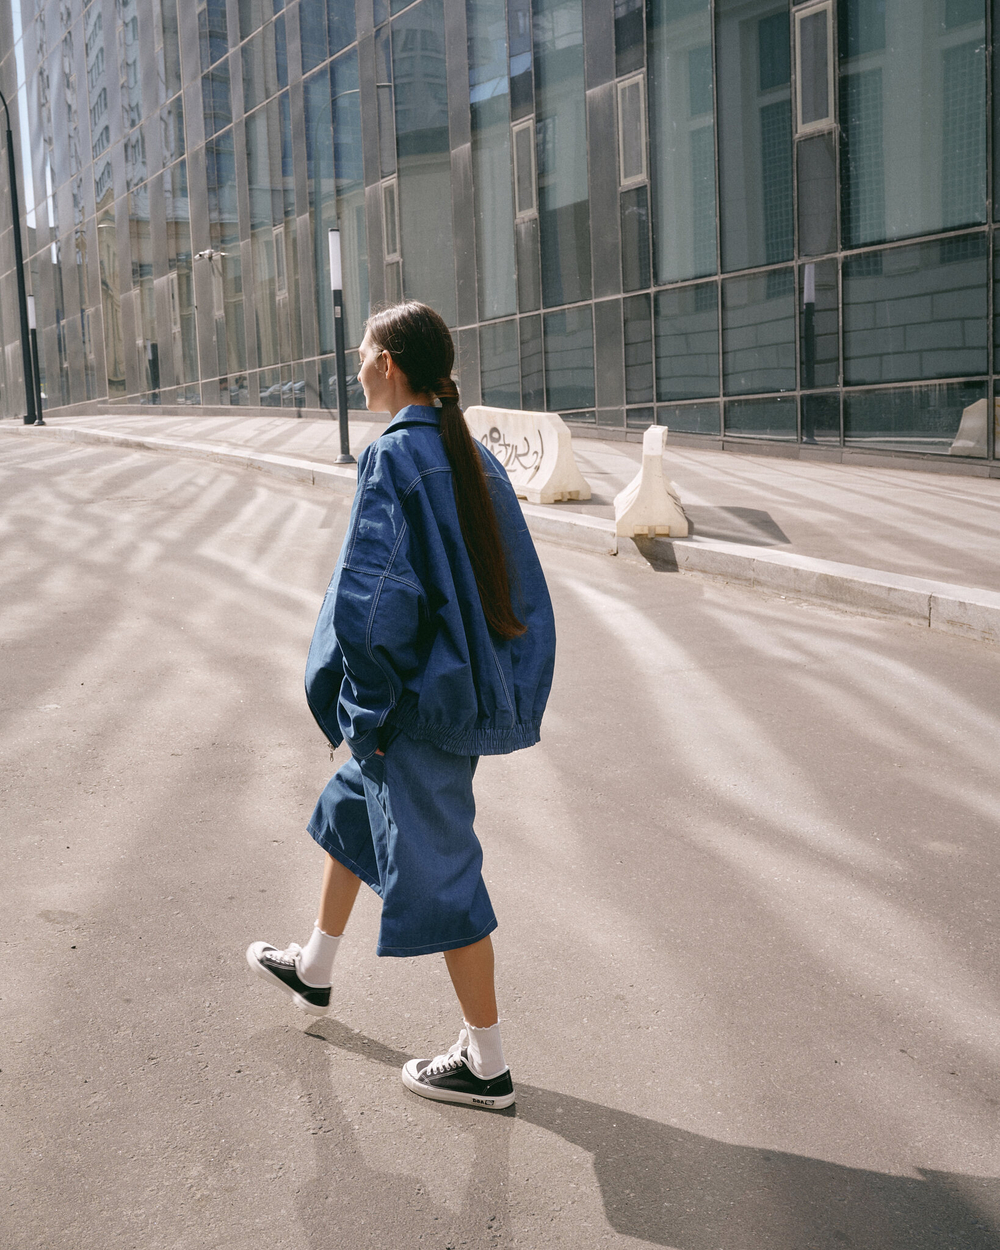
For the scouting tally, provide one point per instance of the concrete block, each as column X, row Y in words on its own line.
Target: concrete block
column 727, row 562
column 536, row 449
column 967, row 612
column 865, row 589
column 649, row 505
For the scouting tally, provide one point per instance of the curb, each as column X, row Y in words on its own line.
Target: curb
column 964, row 611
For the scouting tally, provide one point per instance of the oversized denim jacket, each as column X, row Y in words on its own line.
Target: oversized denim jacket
column 401, row 640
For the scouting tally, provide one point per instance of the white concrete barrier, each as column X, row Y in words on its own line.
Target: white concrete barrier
column 649, row 505
column 536, row 449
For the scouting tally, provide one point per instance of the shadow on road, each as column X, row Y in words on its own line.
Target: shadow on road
column 679, row 1189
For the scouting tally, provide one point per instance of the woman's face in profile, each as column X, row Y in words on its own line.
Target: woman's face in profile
column 372, row 374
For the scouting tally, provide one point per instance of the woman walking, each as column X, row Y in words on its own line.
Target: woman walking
column 434, row 645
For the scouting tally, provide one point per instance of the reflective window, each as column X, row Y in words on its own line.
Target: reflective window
column 215, row 99
column 755, row 131
column 521, row 75
column 532, row 384
column 687, row 343
column 491, row 156
column 212, row 31
column 682, row 146
column 758, row 333
column 350, row 190
column 635, row 239
column 226, row 266
column 499, row 364
column 341, row 26
column 629, row 35
column 180, row 283
column 817, row 169
column 114, row 347
column 762, row 418
column 916, row 312
column 638, row 329
column 949, row 418
column 914, row 139
column 313, row 34
column 819, row 326
column 690, row 418
column 424, row 157
column 821, row 418
column 569, row 359
column 561, row 151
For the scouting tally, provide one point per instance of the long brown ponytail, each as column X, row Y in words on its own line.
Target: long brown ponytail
column 420, row 343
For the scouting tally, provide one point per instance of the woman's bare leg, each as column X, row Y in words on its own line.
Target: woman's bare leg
column 471, row 972
column 340, row 889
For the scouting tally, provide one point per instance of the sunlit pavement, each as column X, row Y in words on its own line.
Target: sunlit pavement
column 747, row 885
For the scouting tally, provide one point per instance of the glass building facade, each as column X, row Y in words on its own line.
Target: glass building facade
column 754, row 221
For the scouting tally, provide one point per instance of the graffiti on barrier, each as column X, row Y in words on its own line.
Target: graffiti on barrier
column 524, row 455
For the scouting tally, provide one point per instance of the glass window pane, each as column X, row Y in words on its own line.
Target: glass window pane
column 424, row 157
column 280, row 52
column 532, row 390
column 819, row 329
column 914, row 141
column 635, row 239
column 814, row 53
column 561, row 151
column 215, row 99
column 312, row 24
column 916, row 312
column 491, row 157
column 253, row 72
column 341, row 26
column 519, row 37
column 629, row 40
column 690, row 418
column 817, row 162
column 569, row 359
column 350, row 191
column 949, row 418
column 687, row 342
column 758, row 333
column 821, row 418
column 755, row 132
column 762, row 418
column 638, row 350
column 682, row 147
column 500, row 366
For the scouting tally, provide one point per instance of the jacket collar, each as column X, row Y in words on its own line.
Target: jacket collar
column 414, row 414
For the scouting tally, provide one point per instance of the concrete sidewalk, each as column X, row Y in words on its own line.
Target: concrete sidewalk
column 918, row 545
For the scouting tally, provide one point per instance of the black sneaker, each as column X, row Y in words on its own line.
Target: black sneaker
column 281, row 968
column 448, row 1078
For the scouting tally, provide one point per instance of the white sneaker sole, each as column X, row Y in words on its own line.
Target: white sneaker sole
column 267, row 975
column 416, row 1086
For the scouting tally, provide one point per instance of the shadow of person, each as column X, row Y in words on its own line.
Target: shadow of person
column 675, row 1188
column 348, row 1201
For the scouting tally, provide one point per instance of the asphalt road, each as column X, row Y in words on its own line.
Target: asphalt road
column 747, row 886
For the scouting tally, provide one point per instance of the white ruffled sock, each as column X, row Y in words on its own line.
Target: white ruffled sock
column 316, row 960
column 486, row 1051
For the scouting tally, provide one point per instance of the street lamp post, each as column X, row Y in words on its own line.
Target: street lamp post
column 336, row 286
column 34, row 413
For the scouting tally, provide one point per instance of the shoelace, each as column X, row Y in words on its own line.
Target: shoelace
column 451, row 1059
column 286, row 957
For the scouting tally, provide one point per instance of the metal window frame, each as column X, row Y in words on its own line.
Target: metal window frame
column 390, row 185
column 523, row 212
column 636, row 79
column 822, row 123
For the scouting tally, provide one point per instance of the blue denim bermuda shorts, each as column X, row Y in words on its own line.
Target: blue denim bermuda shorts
column 403, row 823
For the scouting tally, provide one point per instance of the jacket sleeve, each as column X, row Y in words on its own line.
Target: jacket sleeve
column 377, row 608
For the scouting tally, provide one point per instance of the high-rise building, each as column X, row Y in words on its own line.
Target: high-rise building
column 757, row 222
